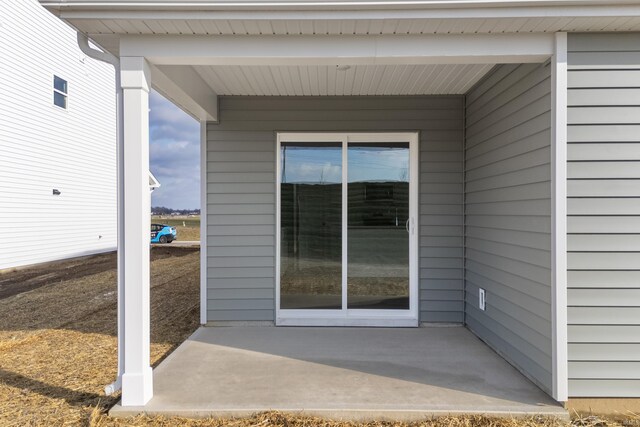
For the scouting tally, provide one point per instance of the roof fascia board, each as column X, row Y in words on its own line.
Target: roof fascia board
column 499, row 11
column 305, row 5
column 335, row 50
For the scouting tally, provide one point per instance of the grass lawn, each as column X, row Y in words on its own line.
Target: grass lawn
column 58, row 347
column 188, row 227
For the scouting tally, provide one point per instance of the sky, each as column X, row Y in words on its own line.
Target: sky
column 324, row 164
column 174, row 155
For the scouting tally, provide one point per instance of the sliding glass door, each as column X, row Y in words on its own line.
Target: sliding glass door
column 311, row 225
column 377, row 225
column 346, row 234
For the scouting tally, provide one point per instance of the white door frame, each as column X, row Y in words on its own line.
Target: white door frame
column 345, row 316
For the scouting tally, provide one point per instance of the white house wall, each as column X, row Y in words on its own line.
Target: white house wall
column 44, row 147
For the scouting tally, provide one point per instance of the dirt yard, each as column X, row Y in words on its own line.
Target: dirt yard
column 58, row 339
column 16, row 281
column 58, row 346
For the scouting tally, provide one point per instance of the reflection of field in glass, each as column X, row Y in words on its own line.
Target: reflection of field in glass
column 310, row 277
column 378, row 286
column 311, row 245
column 313, row 277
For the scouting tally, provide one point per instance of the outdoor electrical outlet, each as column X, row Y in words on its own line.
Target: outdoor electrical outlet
column 482, row 299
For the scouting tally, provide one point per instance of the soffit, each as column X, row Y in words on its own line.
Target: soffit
column 429, row 79
column 354, row 26
column 106, row 32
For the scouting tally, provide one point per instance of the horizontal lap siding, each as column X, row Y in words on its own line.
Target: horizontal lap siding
column 44, row 147
column 240, row 224
column 241, row 194
column 603, row 192
column 508, row 208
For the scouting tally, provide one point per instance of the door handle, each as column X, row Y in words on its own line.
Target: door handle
column 406, row 225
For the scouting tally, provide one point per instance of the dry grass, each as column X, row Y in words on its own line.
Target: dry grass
column 290, row 420
column 58, row 344
column 278, row 419
column 58, row 351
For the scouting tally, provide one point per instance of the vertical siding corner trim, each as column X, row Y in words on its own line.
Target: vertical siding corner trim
column 203, row 222
column 559, row 219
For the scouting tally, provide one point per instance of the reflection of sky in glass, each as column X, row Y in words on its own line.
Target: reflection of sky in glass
column 378, row 164
column 312, row 164
column 323, row 164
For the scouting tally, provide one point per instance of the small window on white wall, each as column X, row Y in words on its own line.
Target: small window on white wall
column 59, row 92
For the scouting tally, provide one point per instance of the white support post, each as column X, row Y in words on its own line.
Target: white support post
column 559, row 219
column 203, row 222
column 137, row 386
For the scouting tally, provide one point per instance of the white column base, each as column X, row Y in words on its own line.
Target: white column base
column 137, row 389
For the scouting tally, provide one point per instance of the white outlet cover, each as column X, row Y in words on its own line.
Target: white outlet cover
column 482, row 299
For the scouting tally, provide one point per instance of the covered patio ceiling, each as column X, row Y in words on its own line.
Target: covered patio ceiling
column 192, row 71
column 328, row 80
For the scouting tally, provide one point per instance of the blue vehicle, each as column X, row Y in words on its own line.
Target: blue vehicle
column 162, row 233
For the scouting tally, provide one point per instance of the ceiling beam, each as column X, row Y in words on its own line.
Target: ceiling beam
column 185, row 88
column 337, row 50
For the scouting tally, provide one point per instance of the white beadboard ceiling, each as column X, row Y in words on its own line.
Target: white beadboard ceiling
column 446, row 79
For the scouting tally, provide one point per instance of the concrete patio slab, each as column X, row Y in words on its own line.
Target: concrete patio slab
column 340, row 373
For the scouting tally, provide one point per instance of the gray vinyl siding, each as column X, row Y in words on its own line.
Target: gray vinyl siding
column 603, row 190
column 241, row 194
column 507, row 215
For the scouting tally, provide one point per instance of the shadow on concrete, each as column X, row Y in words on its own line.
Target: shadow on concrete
column 299, row 368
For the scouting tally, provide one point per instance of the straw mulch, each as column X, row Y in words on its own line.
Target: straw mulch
column 58, row 351
column 58, row 342
column 278, row 419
